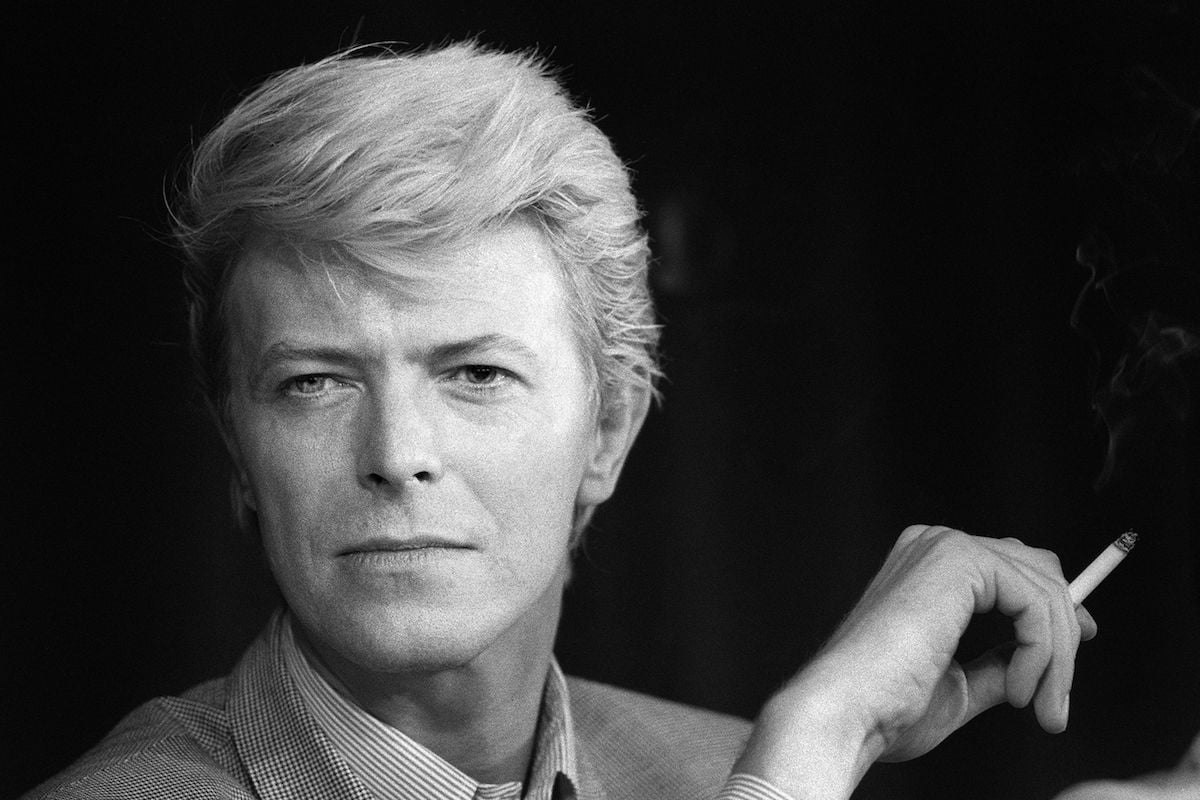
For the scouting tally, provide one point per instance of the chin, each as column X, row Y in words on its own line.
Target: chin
column 420, row 651
column 412, row 641
column 432, row 631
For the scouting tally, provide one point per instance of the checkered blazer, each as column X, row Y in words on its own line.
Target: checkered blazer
column 249, row 735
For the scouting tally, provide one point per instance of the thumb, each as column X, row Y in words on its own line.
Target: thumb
column 948, row 710
column 961, row 695
column 985, row 680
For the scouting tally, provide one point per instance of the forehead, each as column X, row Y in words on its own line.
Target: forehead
column 505, row 281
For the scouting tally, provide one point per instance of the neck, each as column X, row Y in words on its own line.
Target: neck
column 482, row 717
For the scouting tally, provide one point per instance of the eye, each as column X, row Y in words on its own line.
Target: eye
column 480, row 381
column 309, row 385
column 480, row 374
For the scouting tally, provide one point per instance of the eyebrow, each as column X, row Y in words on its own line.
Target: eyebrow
column 490, row 341
column 284, row 351
column 289, row 351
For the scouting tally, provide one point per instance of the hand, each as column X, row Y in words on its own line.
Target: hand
column 887, row 683
column 898, row 643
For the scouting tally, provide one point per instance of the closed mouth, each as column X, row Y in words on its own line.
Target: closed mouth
column 403, row 545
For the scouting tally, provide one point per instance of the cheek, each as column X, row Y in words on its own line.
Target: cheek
column 292, row 485
column 289, row 473
column 530, row 481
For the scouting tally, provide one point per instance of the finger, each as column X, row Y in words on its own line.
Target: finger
column 1017, row 591
column 1051, row 699
column 1043, row 561
column 1046, row 563
column 1043, row 568
column 1051, row 704
column 1087, row 624
column 1032, row 655
column 1048, row 633
column 1053, row 685
column 987, row 680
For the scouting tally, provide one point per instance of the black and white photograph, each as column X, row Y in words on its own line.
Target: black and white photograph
column 583, row 401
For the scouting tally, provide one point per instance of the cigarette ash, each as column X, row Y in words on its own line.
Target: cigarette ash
column 1126, row 541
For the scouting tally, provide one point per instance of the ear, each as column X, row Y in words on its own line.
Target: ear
column 616, row 430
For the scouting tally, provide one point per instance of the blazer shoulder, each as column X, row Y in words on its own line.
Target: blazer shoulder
column 642, row 745
column 169, row 747
column 599, row 703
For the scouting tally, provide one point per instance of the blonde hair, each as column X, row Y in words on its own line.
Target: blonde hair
column 372, row 153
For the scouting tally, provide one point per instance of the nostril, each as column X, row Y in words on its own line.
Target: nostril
column 424, row 476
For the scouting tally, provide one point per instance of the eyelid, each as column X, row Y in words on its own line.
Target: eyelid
column 502, row 378
column 289, row 386
column 492, row 367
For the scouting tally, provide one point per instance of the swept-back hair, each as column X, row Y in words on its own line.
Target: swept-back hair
column 369, row 154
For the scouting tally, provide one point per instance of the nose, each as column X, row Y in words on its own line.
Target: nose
column 399, row 443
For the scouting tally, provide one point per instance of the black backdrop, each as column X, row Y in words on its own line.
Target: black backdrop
column 866, row 220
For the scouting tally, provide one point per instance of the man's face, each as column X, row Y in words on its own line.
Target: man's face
column 414, row 448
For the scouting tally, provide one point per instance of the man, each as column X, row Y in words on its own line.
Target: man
column 419, row 309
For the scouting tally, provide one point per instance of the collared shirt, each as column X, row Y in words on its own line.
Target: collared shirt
column 395, row 767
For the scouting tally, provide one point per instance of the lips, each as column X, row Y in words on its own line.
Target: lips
column 386, row 545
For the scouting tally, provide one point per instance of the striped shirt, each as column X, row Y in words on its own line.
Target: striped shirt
column 395, row 767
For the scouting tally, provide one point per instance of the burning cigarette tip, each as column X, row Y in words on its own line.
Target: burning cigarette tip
column 1099, row 569
column 1126, row 541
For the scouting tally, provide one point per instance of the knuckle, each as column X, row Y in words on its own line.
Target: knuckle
column 952, row 549
column 912, row 533
column 952, row 539
column 932, row 539
column 1048, row 560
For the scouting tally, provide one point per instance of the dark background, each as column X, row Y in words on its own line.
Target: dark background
column 866, row 220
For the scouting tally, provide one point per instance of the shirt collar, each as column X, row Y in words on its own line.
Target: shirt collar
column 395, row 767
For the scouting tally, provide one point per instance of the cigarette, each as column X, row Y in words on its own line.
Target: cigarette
column 1098, row 570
